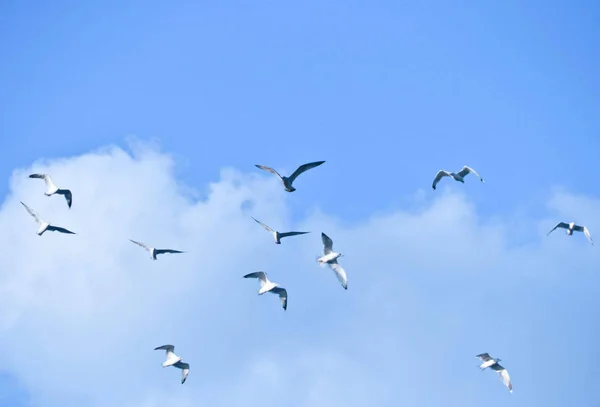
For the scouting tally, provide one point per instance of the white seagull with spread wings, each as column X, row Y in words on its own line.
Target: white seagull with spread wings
column 175, row 361
column 458, row 176
column 572, row 227
column 330, row 257
column 43, row 225
column 493, row 364
column 277, row 235
column 53, row 189
column 287, row 181
column 155, row 252
column 269, row 286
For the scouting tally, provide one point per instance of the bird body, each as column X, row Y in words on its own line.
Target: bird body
column 154, row 251
column 53, row 189
column 572, row 227
column 330, row 258
column 172, row 358
column 326, row 258
column 492, row 363
column 287, row 181
column 457, row 176
column 277, row 235
column 43, row 225
column 267, row 285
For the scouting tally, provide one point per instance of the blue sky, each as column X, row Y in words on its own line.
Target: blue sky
column 387, row 93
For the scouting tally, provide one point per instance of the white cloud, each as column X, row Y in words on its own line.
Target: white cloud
column 81, row 314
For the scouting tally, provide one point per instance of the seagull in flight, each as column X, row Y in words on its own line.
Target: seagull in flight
column 155, row 252
column 53, row 189
column 43, row 225
column 493, row 364
column 278, row 236
column 174, row 360
column 330, row 257
column 267, row 286
column 287, row 181
column 571, row 227
column 458, row 176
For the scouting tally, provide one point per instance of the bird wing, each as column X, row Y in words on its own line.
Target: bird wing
column 327, row 244
column 261, row 275
column 185, row 370
column 162, row 251
column 465, row 170
column 47, row 179
column 166, row 347
column 339, row 273
column 282, row 292
column 52, row 228
column 504, row 376
column 286, row 234
column 141, row 244
column 67, row 194
column 303, row 168
column 271, row 170
column 484, row 357
column 263, row 225
column 32, row 213
column 586, row 232
column 439, row 176
column 559, row 225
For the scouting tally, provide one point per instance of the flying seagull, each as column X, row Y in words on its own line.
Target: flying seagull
column 493, row 364
column 573, row 227
column 276, row 234
column 287, row 181
column 155, row 252
column 43, row 225
column 459, row 176
column 330, row 257
column 53, row 189
column 268, row 286
column 174, row 360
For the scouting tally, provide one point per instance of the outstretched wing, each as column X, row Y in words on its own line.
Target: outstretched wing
column 52, row 228
column 303, row 168
column 339, row 273
column 185, row 370
column 67, row 194
column 465, row 170
column 586, row 232
column 168, row 348
column 32, row 213
column 504, row 376
column 282, row 292
column 439, row 176
column 140, row 244
column 263, row 225
column 286, row 234
column 484, row 357
column 162, row 251
column 271, row 170
column 327, row 244
column 559, row 225
column 47, row 179
column 261, row 275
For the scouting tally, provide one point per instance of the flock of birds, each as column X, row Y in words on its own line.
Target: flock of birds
column 329, row 257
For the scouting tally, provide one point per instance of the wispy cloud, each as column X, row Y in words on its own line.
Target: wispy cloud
column 428, row 289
